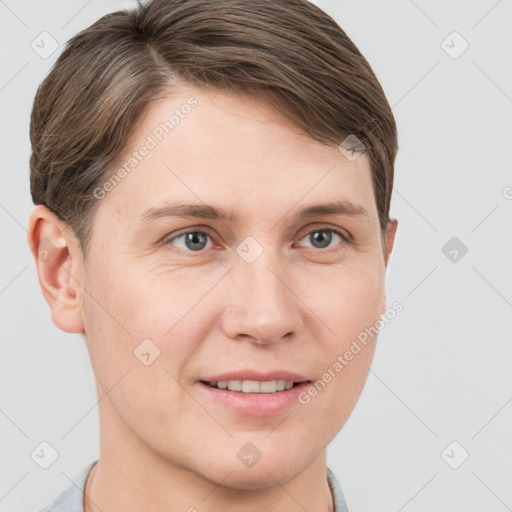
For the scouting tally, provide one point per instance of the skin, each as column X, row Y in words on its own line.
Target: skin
column 163, row 445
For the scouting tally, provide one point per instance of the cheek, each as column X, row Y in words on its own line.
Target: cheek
column 349, row 301
column 129, row 313
column 130, row 301
column 351, row 307
column 330, row 400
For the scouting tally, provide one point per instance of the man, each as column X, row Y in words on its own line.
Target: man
column 213, row 181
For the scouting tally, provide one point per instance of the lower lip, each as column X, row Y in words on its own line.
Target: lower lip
column 255, row 404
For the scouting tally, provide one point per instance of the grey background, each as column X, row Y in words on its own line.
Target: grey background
column 442, row 369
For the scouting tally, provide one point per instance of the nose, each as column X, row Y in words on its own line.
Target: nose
column 261, row 306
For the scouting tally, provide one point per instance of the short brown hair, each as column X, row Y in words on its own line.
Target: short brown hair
column 289, row 51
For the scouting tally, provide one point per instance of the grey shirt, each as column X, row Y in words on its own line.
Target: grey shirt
column 71, row 499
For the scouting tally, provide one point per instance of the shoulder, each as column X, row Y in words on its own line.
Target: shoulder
column 340, row 505
column 71, row 499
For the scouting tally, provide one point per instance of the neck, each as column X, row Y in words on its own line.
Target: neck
column 129, row 476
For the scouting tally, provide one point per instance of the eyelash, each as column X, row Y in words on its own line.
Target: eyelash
column 343, row 235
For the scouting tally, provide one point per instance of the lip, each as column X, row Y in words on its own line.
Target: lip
column 253, row 404
column 255, row 375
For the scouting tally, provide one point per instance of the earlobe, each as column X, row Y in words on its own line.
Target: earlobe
column 59, row 262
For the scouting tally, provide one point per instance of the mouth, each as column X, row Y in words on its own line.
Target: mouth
column 254, row 394
column 253, row 386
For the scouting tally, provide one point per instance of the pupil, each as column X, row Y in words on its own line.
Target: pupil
column 324, row 239
column 194, row 238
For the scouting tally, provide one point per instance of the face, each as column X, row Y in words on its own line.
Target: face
column 209, row 268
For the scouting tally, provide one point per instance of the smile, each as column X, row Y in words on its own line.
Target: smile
column 253, row 386
column 252, row 393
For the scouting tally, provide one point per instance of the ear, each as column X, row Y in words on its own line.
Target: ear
column 59, row 262
column 391, row 228
column 390, row 237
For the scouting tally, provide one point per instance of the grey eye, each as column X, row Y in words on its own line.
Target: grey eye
column 192, row 240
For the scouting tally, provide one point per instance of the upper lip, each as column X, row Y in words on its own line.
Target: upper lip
column 256, row 375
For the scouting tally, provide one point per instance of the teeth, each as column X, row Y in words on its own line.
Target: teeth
column 269, row 386
column 253, row 386
column 235, row 385
column 250, row 386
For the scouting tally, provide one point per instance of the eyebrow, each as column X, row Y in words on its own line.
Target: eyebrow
column 204, row 211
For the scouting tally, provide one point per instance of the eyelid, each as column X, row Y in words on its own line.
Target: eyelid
column 340, row 231
column 202, row 229
column 345, row 235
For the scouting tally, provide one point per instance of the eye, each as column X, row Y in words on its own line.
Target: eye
column 197, row 241
column 322, row 237
column 194, row 241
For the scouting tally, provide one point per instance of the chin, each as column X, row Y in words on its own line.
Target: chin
column 261, row 475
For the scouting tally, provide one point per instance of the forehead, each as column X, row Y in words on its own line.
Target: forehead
column 236, row 151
